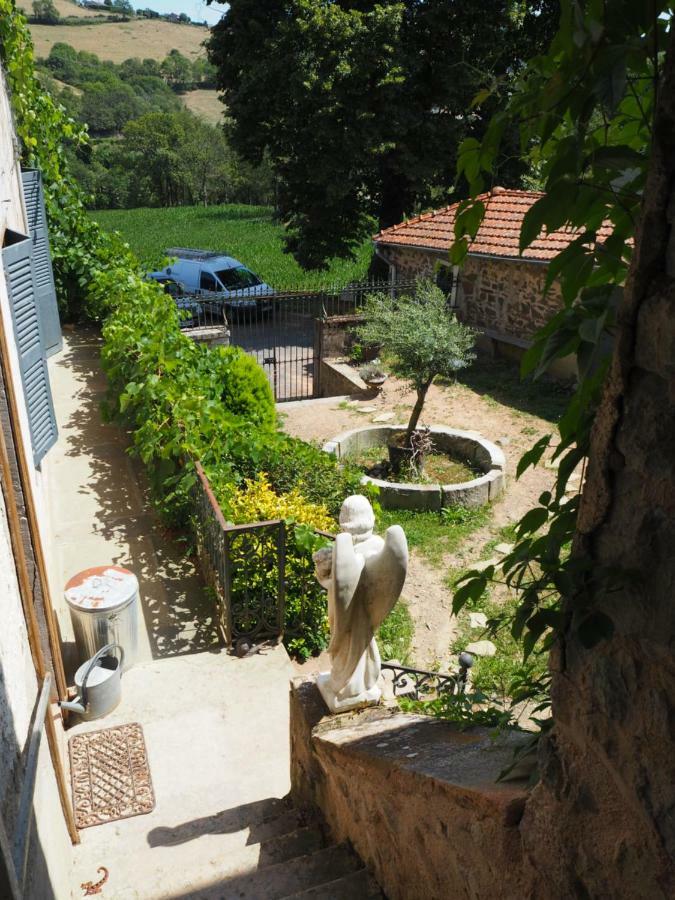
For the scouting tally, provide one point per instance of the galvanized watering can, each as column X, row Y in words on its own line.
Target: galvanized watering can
column 98, row 683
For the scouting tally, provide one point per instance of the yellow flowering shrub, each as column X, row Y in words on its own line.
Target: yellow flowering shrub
column 256, row 501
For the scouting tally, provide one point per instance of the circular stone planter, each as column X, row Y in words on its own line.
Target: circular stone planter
column 468, row 445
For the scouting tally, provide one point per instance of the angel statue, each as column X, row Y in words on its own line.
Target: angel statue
column 364, row 576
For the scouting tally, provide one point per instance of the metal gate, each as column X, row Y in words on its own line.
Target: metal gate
column 280, row 329
column 281, row 334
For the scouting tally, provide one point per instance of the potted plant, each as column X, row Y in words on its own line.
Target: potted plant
column 373, row 374
column 422, row 338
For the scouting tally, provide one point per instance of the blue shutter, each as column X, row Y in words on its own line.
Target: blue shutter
column 17, row 259
column 45, row 292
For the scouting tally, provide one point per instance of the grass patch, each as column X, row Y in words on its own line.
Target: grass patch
column 395, row 634
column 499, row 382
column 434, row 535
column 246, row 232
column 493, row 675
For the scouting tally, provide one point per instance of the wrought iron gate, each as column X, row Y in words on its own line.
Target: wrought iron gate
column 280, row 329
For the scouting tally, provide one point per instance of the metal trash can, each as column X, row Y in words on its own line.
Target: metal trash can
column 103, row 603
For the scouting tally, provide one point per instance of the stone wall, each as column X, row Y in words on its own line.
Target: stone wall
column 416, row 797
column 334, row 335
column 502, row 296
column 506, row 297
column 337, row 379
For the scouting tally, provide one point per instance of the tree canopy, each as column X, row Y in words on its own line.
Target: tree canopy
column 421, row 337
column 360, row 105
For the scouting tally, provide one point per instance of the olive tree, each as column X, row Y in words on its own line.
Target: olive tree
column 422, row 338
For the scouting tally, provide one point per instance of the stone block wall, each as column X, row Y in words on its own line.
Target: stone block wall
column 416, row 797
column 498, row 295
column 506, row 296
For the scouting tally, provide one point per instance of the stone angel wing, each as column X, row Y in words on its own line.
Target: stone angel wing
column 384, row 576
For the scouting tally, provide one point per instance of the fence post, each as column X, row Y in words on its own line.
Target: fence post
column 227, row 588
column 281, row 588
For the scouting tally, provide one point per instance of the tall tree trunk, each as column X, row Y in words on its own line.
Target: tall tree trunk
column 601, row 823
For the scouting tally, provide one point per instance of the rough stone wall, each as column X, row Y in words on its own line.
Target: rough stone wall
column 503, row 296
column 334, row 336
column 416, row 798
column 410, row 263
column 601, row 824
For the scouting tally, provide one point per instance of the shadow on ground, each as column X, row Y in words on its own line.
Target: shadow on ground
column 179, row 614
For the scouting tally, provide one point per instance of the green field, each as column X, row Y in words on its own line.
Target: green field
column 245, row 232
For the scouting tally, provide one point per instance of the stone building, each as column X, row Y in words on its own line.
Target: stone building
column 497, row 290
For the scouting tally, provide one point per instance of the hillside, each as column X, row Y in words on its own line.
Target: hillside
column 205, row 104
column 117, row 41
column 248, row 233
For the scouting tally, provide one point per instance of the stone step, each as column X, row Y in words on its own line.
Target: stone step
column 357, row 885
column 284, row 879
column 281, row 823
column 301, row 842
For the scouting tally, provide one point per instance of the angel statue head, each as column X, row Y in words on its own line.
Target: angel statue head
column 357, row 518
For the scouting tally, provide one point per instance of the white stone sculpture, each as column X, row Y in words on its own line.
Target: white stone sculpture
column 364, row 576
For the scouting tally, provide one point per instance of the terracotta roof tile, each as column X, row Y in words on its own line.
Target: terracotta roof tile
column 498, row 234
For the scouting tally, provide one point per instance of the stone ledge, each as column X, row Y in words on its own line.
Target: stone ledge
column 339, row 378
column 416, row 797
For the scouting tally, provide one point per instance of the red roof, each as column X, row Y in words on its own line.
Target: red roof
column 498, row 235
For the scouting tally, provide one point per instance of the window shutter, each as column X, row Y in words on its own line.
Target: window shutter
column 45, row 292
column 17, row 259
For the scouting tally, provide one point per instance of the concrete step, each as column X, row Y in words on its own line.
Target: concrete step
column 276, row 882
column 357, row 885
column 301, row 842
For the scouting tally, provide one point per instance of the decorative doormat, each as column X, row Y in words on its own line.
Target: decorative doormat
column 110, row 775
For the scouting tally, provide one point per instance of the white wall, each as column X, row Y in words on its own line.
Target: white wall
column 50, row 850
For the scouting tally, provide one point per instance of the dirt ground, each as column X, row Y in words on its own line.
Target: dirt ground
column 492, row 403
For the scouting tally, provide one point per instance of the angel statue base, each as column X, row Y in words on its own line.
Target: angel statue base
column 364, row 576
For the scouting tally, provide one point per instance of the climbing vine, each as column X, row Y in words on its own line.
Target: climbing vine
column 584, row 112
column 181, row 401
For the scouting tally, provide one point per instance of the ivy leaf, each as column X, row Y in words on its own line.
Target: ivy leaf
column 532, row 456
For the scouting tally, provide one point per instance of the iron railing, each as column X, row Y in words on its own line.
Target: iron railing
column 265, row 588
column 420, row 684
column 263, row 582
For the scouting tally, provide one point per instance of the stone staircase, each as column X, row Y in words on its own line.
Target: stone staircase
column 289, row 856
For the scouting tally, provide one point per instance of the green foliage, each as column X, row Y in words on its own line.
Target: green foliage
column 166, row 155
column 360, row 105
column 420, row 336
column 45, row 12
column 248, row 233
column 395, row 635
column 584, row 112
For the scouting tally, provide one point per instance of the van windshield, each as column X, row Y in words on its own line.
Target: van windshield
column 237, row 278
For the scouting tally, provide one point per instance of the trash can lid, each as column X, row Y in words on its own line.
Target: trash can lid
column 101, row 587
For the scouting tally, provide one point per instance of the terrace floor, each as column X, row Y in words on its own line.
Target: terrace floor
column 215, row 727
